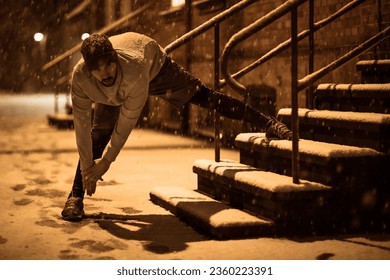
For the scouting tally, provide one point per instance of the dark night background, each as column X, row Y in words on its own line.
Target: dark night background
column 21, row 56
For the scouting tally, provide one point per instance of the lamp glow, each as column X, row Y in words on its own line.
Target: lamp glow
column 38, row 37
column 84, row 36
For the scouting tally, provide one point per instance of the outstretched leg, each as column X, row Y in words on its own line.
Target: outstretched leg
column 178, row 86
column 235, row 109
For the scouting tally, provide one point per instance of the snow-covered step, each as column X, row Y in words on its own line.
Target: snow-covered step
column 339, row 166
column 210, row 216
column 374, row 71
column 370, row 130
column 268, row 194
column 353, row 97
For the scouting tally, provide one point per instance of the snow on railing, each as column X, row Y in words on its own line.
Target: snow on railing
column 208, row 24
column 248, row 31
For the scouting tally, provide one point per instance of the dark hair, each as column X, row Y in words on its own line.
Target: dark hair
column 95, row 48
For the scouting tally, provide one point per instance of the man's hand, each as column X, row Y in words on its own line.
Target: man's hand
column 89, row 180
column 101, row 167
column 94, row 173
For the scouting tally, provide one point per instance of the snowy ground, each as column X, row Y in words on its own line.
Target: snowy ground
column 38, row 164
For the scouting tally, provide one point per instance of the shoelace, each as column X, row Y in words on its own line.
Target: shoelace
column 74, row 202
column 276, row 128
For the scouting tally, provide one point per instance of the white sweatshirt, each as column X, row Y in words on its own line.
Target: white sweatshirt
column 140, row 60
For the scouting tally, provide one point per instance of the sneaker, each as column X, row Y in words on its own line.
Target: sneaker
column 276, row 129
column 74, row 209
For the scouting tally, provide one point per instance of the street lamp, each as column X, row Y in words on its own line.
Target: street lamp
column 84, row 36
column 38, row 37
column 176, row 3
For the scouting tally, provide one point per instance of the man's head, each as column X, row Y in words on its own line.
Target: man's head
column 100, row 58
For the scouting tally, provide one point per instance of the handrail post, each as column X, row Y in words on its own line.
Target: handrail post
column 309, row 101
column 379, row 26
column 217, row 88
column 184, row 118
column 294, row 95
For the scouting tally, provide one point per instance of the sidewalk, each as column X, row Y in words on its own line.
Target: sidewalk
column 38, row 164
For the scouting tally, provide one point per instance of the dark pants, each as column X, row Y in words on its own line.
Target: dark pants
column 178, row 87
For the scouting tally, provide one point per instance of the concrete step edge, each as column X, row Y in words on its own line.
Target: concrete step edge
column 373, row 64
column 380, row 89
column 267, row 184
column 210, row 216
column 306, row 147
column 339, row 116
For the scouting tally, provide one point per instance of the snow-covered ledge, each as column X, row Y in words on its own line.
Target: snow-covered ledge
column 374, row 118
column 308, row 147
column 264, row 180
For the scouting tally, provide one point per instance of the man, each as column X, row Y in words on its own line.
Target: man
column 118, row 74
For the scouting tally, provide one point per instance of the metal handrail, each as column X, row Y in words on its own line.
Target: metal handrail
column 297, row 85
column 286, row 44
column 208, row 25
column 287, row 7
column 245, row 33
column 315, row 76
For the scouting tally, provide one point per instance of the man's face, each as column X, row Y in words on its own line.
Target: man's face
column 105, row 72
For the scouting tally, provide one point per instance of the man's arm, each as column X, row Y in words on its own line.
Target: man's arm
column 128, row 117
column 82, row 116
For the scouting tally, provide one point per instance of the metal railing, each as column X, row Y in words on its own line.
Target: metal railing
column 297, row 84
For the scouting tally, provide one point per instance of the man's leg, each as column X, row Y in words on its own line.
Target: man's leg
column 235, row 109
column 227, row 106
column 178, row 86
column 104, row 120
column 100, row 139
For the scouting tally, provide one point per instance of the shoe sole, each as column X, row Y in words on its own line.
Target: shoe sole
column 73, row 218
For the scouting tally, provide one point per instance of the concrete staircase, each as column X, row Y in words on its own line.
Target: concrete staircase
column 344, row 159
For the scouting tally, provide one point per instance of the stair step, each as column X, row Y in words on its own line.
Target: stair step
column 210, row 216
column 373, row 64
column 353, row 97
column 350, row 128
column 374, row 71
column 330, row 164
column 268, row 194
